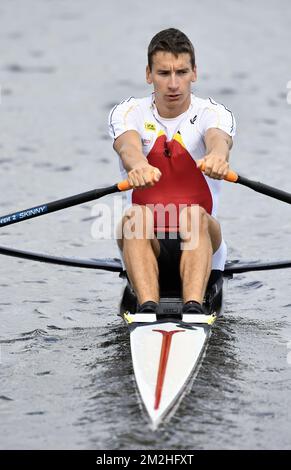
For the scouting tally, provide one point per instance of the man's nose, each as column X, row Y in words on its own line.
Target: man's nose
column 173, row 83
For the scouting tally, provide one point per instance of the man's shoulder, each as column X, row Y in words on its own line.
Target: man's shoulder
column 133, row 101
column 202, row 103
column 211, row 113
column 134, row 108
column 210, row 103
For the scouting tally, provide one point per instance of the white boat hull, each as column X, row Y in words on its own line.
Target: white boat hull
column 166, row 347
column 164, row 357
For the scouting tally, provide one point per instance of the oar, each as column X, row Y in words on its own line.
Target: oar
column 106, row 264
column 115, row 264
column 60, row 204
column 262, row 188
column 237, row 266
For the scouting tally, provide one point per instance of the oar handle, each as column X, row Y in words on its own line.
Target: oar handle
column 123, row 185
column 231, row 176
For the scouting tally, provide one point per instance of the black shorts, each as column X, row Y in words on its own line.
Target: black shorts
column 169, row 265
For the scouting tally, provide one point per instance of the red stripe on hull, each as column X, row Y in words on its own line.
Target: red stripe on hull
column 165, row 350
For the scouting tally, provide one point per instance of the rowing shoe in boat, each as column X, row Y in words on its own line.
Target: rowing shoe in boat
column 167, row 347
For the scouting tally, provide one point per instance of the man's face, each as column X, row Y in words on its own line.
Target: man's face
column 171, row 77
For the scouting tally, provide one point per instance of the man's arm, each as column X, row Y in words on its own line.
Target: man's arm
column 140, row 172
column 218, row 144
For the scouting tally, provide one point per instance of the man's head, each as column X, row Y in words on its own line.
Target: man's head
column 170, row 40
column 171, row 69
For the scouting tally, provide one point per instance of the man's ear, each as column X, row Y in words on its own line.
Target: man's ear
column 148, row 75
column 194, row 74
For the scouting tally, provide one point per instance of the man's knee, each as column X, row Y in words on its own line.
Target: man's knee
column 215, row 233
column 137, row 222
column 193, row 220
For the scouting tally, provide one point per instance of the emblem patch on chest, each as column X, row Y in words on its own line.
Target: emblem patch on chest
column 150, row 126
column 146, row 142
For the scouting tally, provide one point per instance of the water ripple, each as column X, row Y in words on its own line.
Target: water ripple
column 17, row 68
column 5, row 398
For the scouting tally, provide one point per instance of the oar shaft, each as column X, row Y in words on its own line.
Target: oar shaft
column 60, row 204
column 115, row 265
column 265, row 189
column 106, row 264
column 237, row 267
column 262, row 188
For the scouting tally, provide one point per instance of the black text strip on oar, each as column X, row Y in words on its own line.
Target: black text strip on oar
column 54, row 206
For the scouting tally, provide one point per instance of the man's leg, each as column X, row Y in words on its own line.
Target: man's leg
column 201, row 237
column 140, row 249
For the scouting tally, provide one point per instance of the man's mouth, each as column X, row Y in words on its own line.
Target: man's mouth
column 173, row 96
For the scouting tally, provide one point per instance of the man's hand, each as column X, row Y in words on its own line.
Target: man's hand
column 218, row 144
column 215, row 166
column 140, row 173
column 143, row 175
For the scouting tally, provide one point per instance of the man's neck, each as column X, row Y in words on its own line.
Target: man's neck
column 172, row 112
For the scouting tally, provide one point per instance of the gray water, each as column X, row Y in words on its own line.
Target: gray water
column 66, row 373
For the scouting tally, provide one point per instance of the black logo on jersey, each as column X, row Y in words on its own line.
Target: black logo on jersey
column 193, row 119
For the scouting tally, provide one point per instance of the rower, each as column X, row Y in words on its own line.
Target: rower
column 170, row 233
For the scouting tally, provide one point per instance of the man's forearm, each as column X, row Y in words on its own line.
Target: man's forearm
column 140, row 173
column 131, row 156
column 219, row 146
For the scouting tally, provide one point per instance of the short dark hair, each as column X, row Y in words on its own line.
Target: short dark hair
column 170, row 40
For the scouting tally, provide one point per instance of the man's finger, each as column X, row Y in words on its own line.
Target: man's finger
column 200, row 162
column 157, row 174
